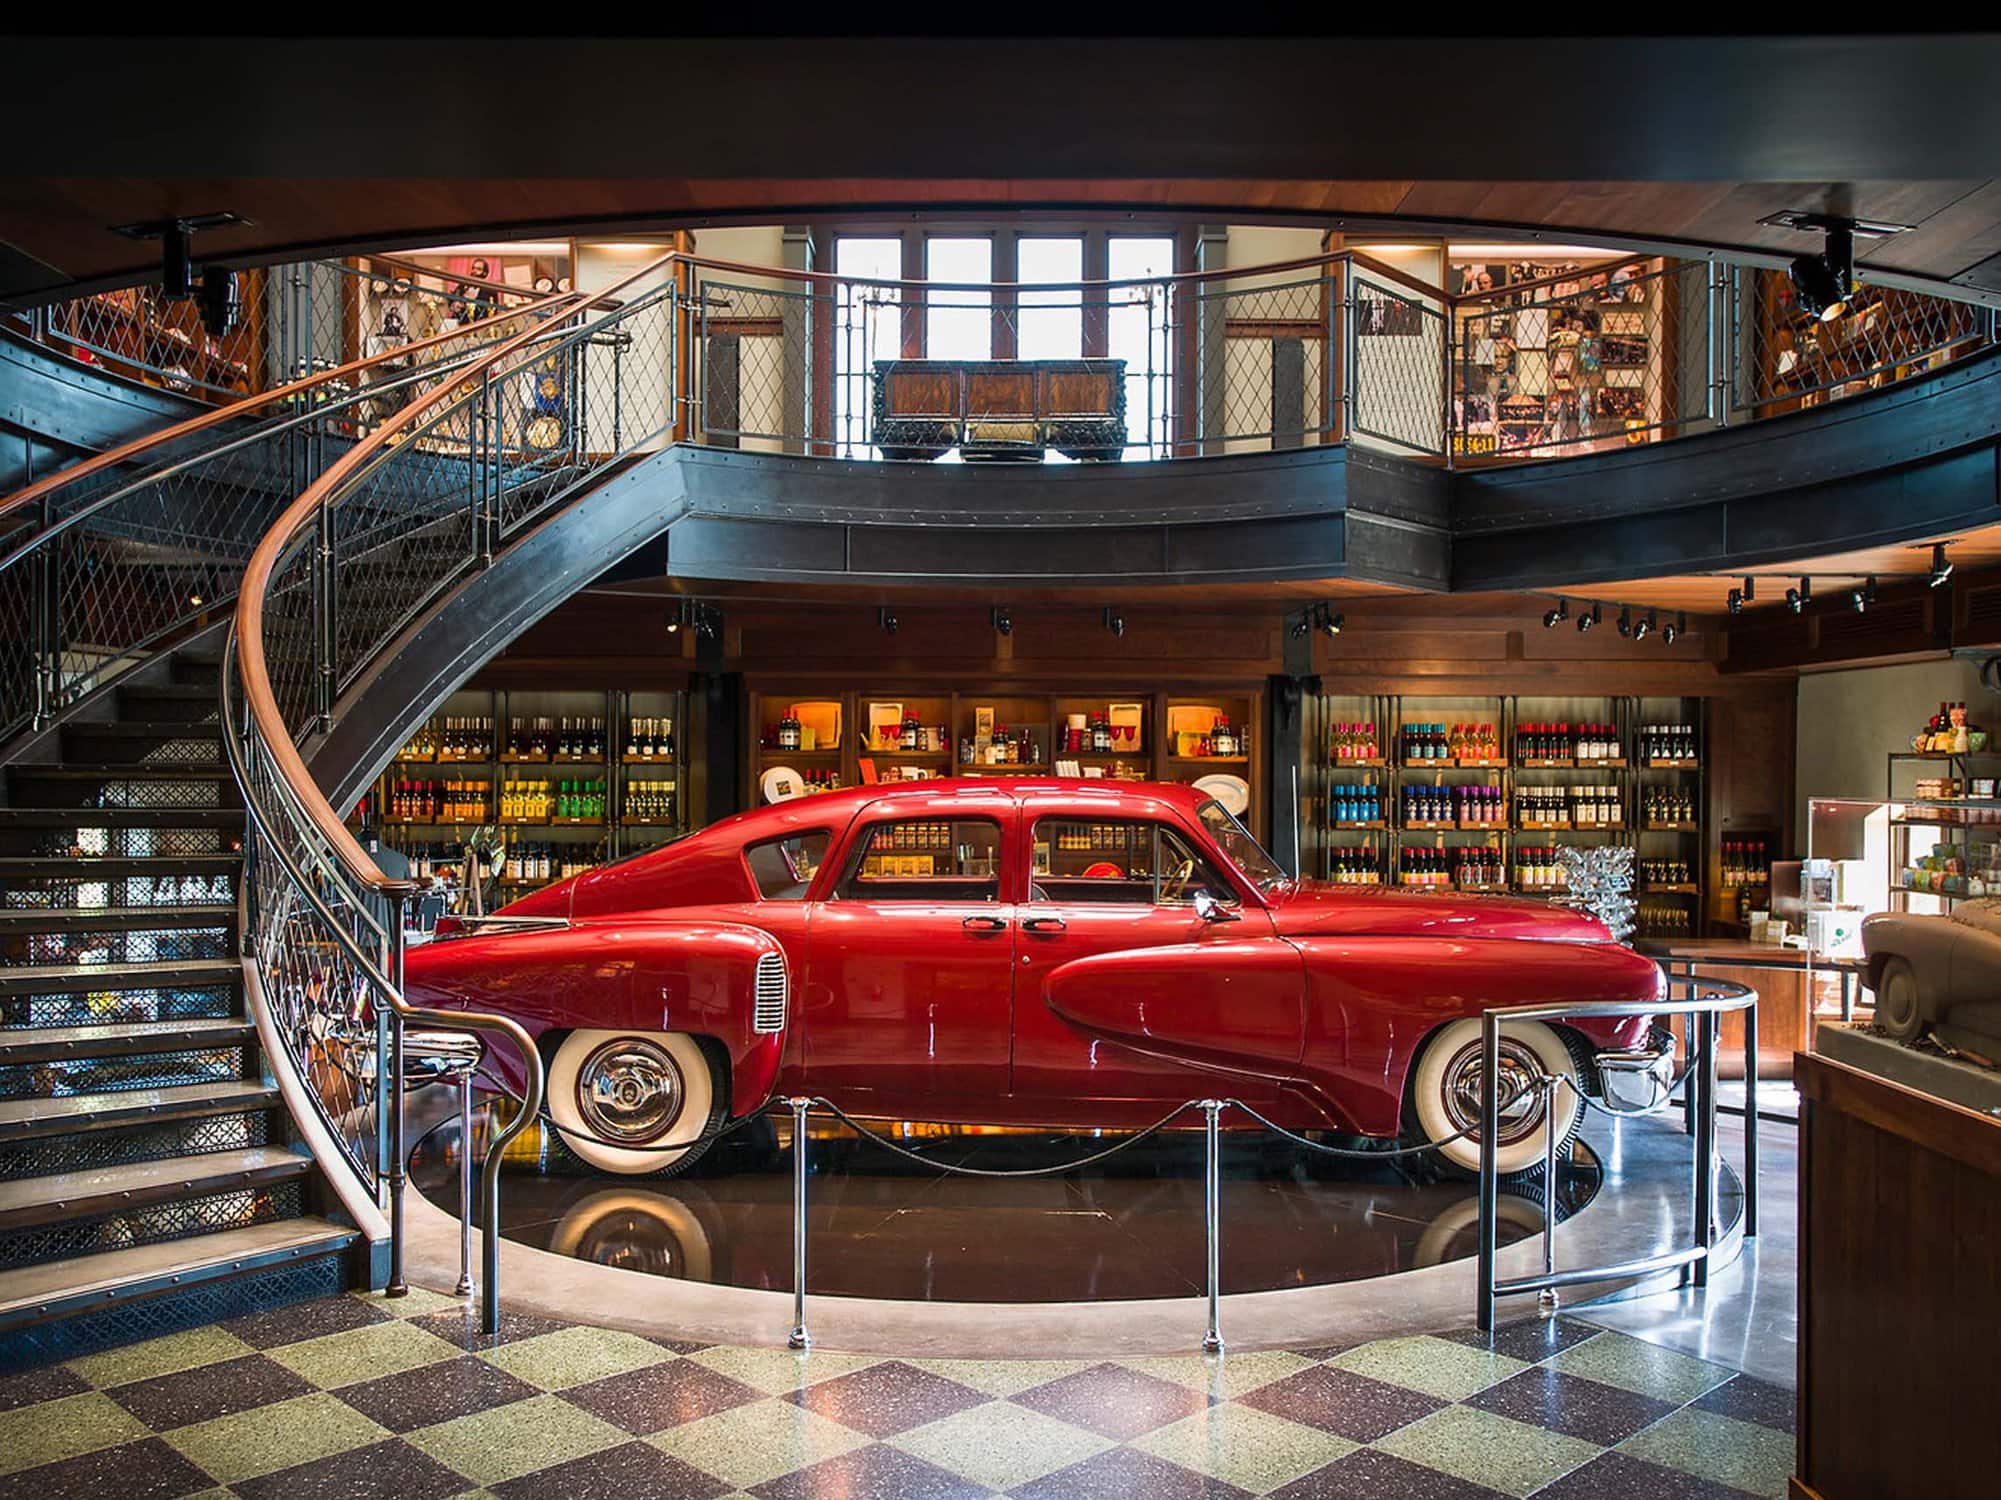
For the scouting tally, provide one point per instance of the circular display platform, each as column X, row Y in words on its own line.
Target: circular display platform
column 880, row 1227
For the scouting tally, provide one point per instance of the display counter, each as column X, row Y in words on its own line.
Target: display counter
column 1900, row 1208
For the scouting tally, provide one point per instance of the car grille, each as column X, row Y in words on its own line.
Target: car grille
column 771, row 989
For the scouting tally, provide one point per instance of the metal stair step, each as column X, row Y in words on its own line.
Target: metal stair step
column 113, row 771
column 29, row 1119
column 142, row 729
column 76, row 1195
column 160, row 974
column 59, row 1288
column 34, row 919
column 115, row 866
column 122, row 1039
column 121, row 817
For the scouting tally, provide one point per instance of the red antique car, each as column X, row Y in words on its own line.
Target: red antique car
column 1029, row 952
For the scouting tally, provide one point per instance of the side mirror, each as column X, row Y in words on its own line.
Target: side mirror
column 1209, row 909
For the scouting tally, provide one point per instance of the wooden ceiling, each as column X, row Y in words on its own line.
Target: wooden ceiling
column 1837, row 572
column 345, row 142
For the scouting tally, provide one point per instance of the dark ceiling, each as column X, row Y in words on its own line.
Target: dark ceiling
column 335, row 143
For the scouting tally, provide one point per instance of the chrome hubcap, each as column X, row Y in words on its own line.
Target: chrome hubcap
column 629, row 1091
column 1521, row 1103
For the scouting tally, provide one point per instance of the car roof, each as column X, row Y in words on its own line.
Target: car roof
column 942, row 796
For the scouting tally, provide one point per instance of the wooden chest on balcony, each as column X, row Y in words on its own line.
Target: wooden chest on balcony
column 1000, row 408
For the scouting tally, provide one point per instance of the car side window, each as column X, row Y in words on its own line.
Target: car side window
column 926, row 859
column 783, row 868
column 1129, row 863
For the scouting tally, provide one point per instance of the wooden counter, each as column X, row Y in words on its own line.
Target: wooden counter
column 1786, row 1009
column 1899, row 1299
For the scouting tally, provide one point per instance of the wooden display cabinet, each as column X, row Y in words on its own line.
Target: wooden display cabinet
column 1045, row 716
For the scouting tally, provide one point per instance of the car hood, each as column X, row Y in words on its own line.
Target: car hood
column 1313, row 908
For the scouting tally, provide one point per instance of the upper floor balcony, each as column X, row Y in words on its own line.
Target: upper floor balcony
column 1004, row 351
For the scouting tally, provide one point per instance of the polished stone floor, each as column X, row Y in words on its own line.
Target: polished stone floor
column 882, row 1227
column 360, row 1396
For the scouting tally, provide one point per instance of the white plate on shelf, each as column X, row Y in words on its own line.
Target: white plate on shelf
column 781, row 784
column 1232, row 791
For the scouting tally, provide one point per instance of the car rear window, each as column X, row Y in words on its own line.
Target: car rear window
column 784, row 868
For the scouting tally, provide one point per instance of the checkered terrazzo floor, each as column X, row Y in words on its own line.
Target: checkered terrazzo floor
column 358, row 1396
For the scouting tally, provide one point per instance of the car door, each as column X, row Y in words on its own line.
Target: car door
column 910, row 980
column 1102, row 885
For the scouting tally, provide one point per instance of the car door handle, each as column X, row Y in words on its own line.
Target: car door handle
column 985, row 924
column 1044, row 924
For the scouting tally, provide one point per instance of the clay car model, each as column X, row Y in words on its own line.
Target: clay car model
column 1938, row 975
column 1056, row 953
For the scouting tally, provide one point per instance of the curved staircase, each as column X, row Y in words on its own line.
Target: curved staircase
column 142, row 1151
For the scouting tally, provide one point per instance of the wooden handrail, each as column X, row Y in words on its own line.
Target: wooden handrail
column 126, row 452
column 251, row 665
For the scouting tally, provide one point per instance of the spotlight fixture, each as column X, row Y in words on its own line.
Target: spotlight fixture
column 1625, row 621
column 1941, row 566
column 886, row 618
column 708, row 622
column 1750, row 589
column 1303, row 624
column 196, row 598
column 1865, row 596
column 1330, row 623
column 1644, row 628
column 1674, row 628
column 176, row 237
column 1115, row 622
column 1003, row 621
column 221, row 302
column 1801, row 595
column 676, row 620
column 1736, row 601
column 1824, row 282
column 1556, row 615
column 1586, row 621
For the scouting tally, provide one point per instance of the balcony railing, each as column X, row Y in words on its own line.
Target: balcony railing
column 295, row 321
column 1339, row 348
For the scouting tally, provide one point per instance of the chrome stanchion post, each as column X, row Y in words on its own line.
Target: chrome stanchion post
column 1212, row 1205
column 799, row 1338
column 1490, row 1122
column 1751, row 1121
column 1547, row 1298
column 464, row 1287
column 1705, row 1148
column 397, row 1286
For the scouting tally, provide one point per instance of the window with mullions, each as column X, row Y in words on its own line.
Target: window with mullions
column 927, row 859
column 1049, row 325
column 868, row 326
column 1095, row 861
column 1138, row 330
column 959, row 324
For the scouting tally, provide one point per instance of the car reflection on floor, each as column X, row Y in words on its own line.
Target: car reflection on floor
column 880, row 1227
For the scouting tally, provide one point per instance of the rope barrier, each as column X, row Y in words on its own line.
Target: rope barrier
column 1052, row 1171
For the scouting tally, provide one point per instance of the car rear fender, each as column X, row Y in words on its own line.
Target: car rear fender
column 1371, row 1001
column 640, row 974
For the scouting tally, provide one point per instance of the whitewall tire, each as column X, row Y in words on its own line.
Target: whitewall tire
column 1898, row 1008
column 1444, row 1094
column 613, row 1094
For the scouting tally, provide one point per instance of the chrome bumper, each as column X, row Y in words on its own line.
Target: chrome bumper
column 1637, row 1080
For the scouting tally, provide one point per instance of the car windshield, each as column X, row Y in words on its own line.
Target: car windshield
column 1235, row 840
